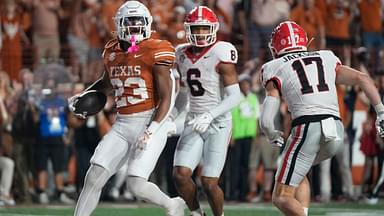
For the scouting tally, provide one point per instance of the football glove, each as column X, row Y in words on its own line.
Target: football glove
column 147, row 135
column 276, row 138
column 87, row 103
column 201, row 122
column 71, row 105
column 380, row 125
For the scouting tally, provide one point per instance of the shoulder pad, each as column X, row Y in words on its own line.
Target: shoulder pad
column 226, row 52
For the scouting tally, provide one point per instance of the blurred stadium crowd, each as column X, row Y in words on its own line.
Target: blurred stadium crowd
column 51, row 49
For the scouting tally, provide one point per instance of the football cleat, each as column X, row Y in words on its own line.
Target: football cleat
column 87, row 103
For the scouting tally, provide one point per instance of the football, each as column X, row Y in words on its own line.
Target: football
column 89, row 103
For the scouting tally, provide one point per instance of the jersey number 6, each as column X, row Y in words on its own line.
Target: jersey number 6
column 194, row 84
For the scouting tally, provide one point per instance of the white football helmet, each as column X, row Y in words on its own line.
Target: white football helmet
column 133, row 19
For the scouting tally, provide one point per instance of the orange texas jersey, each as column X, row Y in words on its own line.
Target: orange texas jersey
column 131, row 74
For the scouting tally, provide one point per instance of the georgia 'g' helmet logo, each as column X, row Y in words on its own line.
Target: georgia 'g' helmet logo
column 133, row 19
column 288, row 37
column 201, row 16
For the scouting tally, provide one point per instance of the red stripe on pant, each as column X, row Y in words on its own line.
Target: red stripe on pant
column 294, row 142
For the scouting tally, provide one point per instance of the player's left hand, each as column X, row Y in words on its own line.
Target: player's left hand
column 201, row 122
column 143, row 140
column 277, row 138
column 380, row 125
column 71, row 105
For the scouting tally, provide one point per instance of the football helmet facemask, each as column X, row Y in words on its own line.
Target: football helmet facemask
column 287, row 37
column 202, row 17
column 133, row 19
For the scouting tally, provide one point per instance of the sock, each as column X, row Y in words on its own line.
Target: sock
column 59, row 192
column 148, row 191
column 305, row 211
column 95, row 180
column 197, row 212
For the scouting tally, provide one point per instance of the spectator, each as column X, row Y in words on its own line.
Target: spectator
column 6, row 163
column 338, row 16
column 52, row 120
column 108, row 11
column 45, row 24
column 78, row 39
column 309, row 17
column 371, row 150
column 225, row 20
column 13, row 22
column 263, row 16
column 244, row 118
column 265, row 154
column 176, row 32
column 96, row 36
column 24, row 133
column 371, row 23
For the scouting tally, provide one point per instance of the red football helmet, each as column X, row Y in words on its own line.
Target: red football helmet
column 201, row 16
column 288, row 37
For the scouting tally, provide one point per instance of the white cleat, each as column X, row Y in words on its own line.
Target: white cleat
column 177, row 209
column 372, row 200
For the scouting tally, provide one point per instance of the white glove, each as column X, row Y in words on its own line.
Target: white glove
column 201, row 122
column 276, row 138
column 380, row 125
column 71, row 105
column 147, row 135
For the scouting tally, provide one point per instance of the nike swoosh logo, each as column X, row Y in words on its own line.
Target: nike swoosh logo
column 138, row 55
column 206, row 57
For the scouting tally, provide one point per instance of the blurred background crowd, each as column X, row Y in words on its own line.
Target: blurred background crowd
column 51, row 49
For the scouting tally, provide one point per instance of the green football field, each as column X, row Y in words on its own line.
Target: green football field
column 333, row 209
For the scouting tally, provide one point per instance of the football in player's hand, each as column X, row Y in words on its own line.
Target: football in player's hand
column 88, row 103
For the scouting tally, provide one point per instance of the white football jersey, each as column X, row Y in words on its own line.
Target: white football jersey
column 199, row 73
column 306, row 81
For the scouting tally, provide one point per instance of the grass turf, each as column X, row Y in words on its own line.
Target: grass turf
column 332, row 209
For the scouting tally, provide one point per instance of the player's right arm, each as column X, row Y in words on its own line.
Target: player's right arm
column 269, row 110
column 349, row 76
column 103, row 84
column 181, row 100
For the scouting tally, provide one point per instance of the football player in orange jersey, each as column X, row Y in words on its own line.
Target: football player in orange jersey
column 137, row 68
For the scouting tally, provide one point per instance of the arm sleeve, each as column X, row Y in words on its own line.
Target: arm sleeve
column 234, row 96
column 268, row 112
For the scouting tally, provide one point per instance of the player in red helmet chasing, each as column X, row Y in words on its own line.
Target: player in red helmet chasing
column 209, row 80
column 307, row 82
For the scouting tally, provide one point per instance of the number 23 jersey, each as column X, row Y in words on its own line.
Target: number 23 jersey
column 201, row 75
column 131, row 74
column 306, row 81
